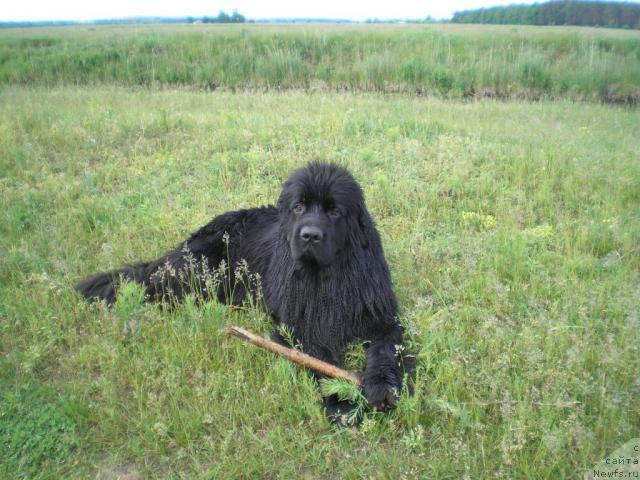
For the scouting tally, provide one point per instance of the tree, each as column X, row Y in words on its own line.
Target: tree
column 237, row 17
column 564, row 12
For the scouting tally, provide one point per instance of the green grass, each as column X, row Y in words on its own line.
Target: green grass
column 512, row 232
column 452, row 61
column 37, row 430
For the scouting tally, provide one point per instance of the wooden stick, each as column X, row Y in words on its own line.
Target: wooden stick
column 294, row 355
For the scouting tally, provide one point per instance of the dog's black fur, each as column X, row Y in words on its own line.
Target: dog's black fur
column 322, row 270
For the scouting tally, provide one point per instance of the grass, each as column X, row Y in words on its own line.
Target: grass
column 37, row 430
column 452, row 61
column 512, row 231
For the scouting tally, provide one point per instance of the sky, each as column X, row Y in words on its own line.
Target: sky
column 13, row 10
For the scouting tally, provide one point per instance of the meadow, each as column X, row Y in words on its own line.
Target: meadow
column 512, row 230
column 449, row 61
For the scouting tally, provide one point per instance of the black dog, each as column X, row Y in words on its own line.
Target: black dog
column 321, row 266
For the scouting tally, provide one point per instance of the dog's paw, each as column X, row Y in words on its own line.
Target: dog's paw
column 342, row 412
column 381, row 396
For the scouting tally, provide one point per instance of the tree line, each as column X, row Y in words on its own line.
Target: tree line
column 585, row 13
column 223, row 17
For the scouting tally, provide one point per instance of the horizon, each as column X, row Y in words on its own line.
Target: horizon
column 76, row 11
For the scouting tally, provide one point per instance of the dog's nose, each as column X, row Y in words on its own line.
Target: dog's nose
column 310, row 233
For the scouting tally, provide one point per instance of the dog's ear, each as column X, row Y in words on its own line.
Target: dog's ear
column 364, row 229
column 284, row 198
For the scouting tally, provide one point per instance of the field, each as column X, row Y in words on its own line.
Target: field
column 452, row 61
column 512, row 229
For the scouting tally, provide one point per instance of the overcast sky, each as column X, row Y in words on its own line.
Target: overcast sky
column 354, row 9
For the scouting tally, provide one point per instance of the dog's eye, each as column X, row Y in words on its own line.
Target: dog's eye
column 299, row 208
column 333, row 212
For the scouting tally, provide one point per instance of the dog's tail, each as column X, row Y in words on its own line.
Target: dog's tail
column 104, row 286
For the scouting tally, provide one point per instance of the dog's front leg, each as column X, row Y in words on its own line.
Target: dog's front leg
column 383, row 371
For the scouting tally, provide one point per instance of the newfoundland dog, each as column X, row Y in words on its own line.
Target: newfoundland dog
column 321, row 267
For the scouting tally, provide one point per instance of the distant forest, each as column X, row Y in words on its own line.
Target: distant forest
column 586, row 13
column 222, row 17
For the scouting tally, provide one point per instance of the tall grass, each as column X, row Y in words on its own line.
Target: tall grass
column 511, row 229
column 452, row 61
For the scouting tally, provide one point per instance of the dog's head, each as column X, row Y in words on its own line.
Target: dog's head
column 323, row 214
